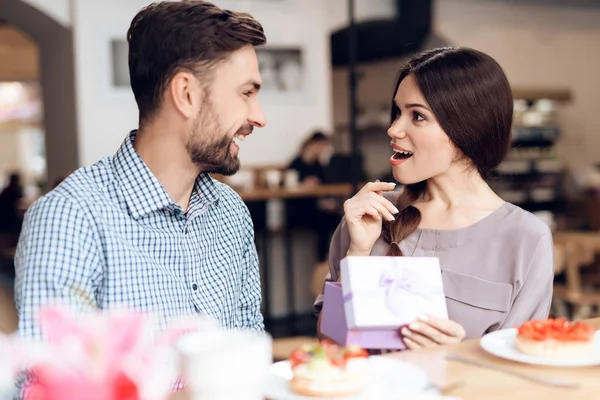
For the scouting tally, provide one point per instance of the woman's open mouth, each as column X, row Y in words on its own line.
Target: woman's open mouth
column 400, row 156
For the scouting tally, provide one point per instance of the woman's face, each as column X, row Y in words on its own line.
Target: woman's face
column 422, row 150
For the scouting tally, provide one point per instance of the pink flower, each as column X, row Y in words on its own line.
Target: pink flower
column 102, row 356
column 10, row 348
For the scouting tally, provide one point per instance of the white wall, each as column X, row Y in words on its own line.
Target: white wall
column 107, row 114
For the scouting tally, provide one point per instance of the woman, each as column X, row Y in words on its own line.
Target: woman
column 451, row 122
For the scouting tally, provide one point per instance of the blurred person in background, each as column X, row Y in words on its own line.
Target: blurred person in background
column 148, row 228
column 319, row 215
column 311, row 159
column 10, row 215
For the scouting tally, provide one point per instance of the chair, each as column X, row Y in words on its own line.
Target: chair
column 574, row 251
column 8, row 313
column 283, row 348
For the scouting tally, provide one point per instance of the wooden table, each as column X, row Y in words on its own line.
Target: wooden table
column 325, row 190
column 479, row 383
column 474, row 383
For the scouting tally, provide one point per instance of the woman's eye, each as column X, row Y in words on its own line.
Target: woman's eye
column 418, row 117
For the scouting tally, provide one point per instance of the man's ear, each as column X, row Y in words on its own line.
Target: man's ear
column 184, row 94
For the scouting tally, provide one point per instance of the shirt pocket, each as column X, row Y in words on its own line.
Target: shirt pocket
column 477, row 304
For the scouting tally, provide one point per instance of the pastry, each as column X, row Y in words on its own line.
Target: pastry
column 328, row 370
column 555, row 338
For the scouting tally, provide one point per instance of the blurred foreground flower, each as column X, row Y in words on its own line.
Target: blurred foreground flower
column 9, row 366
column 104, row 356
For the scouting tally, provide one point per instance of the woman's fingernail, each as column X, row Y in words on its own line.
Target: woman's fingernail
column 392, row 217
column 423, row 318
column 414, row 326
column 405, row 332
column 391, row 183
column 395, row 210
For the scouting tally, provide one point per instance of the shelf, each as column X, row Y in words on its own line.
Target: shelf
column 532, row 93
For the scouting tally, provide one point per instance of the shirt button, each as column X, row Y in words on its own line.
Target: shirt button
column 195, row 287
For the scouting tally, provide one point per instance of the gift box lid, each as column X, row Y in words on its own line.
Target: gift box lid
column 385, row 292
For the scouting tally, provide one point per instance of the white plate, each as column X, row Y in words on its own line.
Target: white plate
column 391, row 380
column 502, row 344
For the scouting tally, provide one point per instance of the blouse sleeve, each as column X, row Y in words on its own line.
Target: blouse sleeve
column 535, row 296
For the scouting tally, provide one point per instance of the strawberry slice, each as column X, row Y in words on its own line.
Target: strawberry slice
column 556, row 328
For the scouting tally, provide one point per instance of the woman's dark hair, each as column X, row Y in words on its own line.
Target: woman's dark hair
column 316, row 137
column 472, row 101
column 168, row 37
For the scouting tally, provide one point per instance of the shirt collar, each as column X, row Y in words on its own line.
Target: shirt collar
column 144, row 194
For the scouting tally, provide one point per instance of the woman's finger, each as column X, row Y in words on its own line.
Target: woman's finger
column 410, row 344
column 370, row 206
column 446, row 326
column 379, row 191
column 390, row 207
column 430, row 332
column 421, row 340
column 372, row 212
column 384, row 212
column 378, row 187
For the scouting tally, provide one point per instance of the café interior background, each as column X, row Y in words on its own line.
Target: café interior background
column 65, row 102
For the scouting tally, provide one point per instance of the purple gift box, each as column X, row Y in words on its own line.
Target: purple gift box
column 380, row 295
column 335, row 326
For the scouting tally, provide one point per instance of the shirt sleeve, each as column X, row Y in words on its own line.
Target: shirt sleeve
column 248, row 314
column 535, row 296
column 57, row 261
column 340, row 242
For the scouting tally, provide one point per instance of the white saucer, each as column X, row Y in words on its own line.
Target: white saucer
column 391, row 380
column 502, row 344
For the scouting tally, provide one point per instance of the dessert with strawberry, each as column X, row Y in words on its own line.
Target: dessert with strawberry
column 328, row 370
column 555, row 338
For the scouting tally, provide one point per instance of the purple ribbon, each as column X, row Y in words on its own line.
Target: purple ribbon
column 402, row 283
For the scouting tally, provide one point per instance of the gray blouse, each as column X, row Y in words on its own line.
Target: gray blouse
column 497, row 273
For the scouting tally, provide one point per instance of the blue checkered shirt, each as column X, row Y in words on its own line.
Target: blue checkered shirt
column 110, row 236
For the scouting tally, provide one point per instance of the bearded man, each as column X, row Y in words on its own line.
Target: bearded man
column 148, row 228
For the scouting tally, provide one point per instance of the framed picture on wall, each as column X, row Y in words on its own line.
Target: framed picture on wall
column 119, row 54
column 283, row 73
column 282, row 70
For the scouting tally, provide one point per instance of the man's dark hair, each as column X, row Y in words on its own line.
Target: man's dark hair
column 168, row 37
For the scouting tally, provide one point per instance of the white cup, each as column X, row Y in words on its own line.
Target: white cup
column 225, row 364
column 291, row 179
column 243, row 179
column 273, row 178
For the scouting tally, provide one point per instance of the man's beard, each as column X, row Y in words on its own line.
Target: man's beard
column 214, row 156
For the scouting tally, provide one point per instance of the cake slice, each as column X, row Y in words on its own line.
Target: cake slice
column 328, row 370
column 555, row 338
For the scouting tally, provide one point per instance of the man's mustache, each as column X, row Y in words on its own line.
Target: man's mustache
column 245, row 130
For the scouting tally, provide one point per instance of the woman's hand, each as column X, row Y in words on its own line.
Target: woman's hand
column 364, row 213
column 431, row 331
